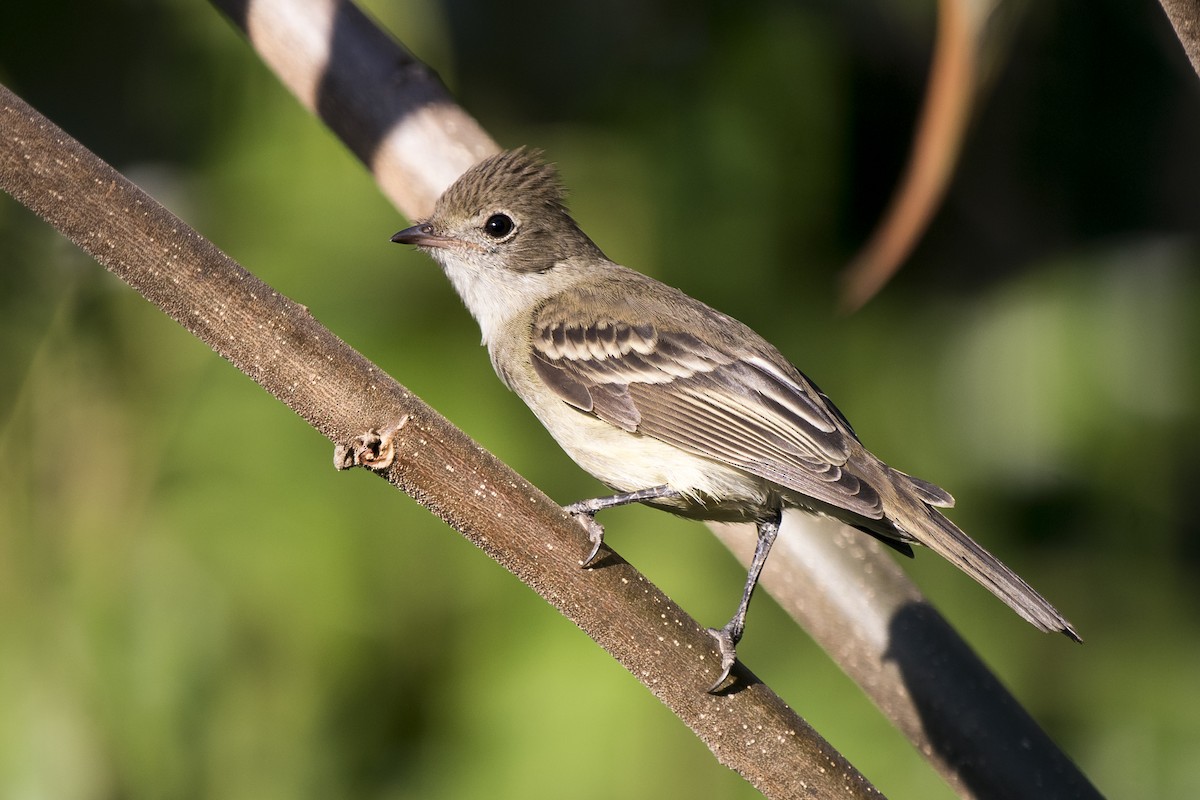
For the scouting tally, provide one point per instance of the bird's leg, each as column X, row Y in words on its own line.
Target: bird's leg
column 585, row 511
column 728, row 636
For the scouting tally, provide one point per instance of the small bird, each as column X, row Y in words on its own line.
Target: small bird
column 666, row 400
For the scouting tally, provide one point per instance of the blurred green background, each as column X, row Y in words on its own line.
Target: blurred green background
column 193, row 604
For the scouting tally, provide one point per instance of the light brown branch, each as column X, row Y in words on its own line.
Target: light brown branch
column 1185, row 18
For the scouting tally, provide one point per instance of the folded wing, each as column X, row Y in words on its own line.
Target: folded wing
column 751, row 413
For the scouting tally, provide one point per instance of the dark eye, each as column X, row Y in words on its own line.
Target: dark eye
column 498, row 226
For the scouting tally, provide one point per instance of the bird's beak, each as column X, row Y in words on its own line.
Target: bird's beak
column 422, row 235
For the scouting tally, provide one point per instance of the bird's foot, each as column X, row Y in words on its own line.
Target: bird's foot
column 585, row 511
column 727, row 647
column 586, row 515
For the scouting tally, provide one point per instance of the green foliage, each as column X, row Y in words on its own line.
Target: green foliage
column 194, row 604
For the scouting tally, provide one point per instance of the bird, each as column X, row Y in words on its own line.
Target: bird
column 665, row 400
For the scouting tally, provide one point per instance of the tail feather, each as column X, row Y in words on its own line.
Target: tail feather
column 928, row 527
column 929, row 492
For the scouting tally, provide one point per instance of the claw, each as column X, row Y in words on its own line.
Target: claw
column 585, row 511
column 728, row 636
column 594, row 529
column 727, row 647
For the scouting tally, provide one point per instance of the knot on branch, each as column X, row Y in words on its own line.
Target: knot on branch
column 375, row 449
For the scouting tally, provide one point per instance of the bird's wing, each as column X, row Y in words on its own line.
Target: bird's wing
column 747, row 412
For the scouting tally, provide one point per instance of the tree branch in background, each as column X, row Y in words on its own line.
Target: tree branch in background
column 864, row 611
column 953, row 87
column 277, row 343
column 938, row 141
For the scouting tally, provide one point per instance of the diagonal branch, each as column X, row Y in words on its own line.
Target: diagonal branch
column 1185, row 19
column 277, row 343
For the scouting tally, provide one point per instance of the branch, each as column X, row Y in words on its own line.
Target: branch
column 934, row 152
column 863, row 610
column 951, row 94
column 1185, row 19
column 277, row 343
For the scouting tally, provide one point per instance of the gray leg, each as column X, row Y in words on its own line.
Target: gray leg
column 728, row 636
column 585, row 512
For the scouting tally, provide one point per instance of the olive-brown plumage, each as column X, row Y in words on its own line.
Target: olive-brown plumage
column 665, row 399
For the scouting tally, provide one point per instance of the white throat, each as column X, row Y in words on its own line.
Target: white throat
column 495, row 298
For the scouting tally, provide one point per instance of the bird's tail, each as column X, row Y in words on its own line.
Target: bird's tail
column 928, row 527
